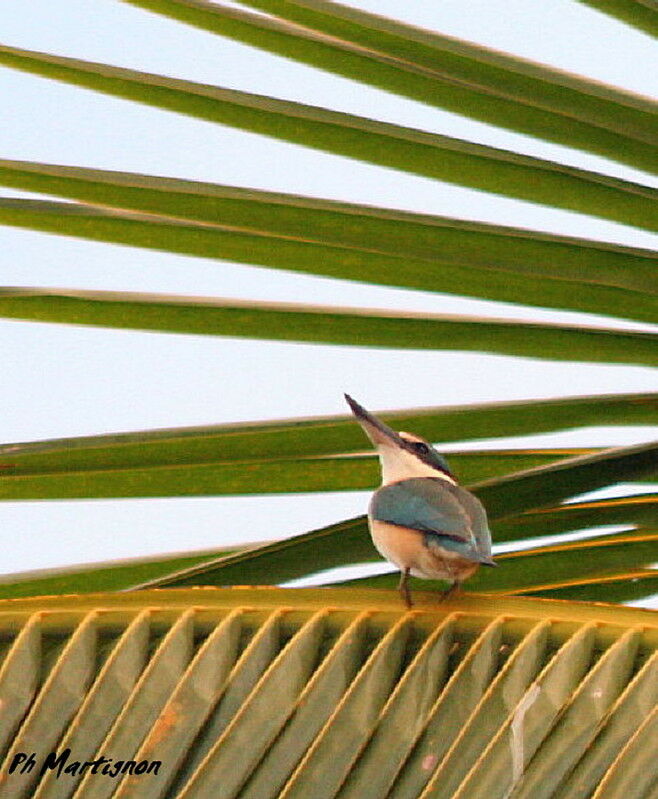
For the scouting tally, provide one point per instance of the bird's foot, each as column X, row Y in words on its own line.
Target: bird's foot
column 450, row 592
column 403, row 588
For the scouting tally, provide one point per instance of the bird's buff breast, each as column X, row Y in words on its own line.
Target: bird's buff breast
column 406, row 548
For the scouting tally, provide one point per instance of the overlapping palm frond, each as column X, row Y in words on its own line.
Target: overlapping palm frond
column 524, row 489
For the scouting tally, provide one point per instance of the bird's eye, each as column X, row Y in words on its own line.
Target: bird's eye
column 420, row 447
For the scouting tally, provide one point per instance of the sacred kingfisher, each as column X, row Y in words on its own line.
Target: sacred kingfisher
column 421, row 520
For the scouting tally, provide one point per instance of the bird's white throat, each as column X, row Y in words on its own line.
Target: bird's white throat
column 398, row 464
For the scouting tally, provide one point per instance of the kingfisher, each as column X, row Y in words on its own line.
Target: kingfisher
column 420, row 519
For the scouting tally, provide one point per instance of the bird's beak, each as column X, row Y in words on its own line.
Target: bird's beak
column 379, row 433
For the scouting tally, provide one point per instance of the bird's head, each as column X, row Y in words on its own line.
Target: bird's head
column 402, row 455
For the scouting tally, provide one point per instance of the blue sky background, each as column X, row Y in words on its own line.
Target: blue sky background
column 67, row 381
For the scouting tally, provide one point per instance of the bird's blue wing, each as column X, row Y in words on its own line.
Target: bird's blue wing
column 478, row 517
column 425, row 504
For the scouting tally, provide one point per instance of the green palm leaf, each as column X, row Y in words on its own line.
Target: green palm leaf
column 361, row 327
column 641, row 509
column 304, row 555
column 630, row 586
column 642, row 14
column 320, row 692
column 619, row 282
column 548, row 484
column 348, row 542
column 549, row 567
column 335, row 239
column 442, row 71
column 203, row 477
column 112, row 576
column 320, row 436
column 416, row 151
